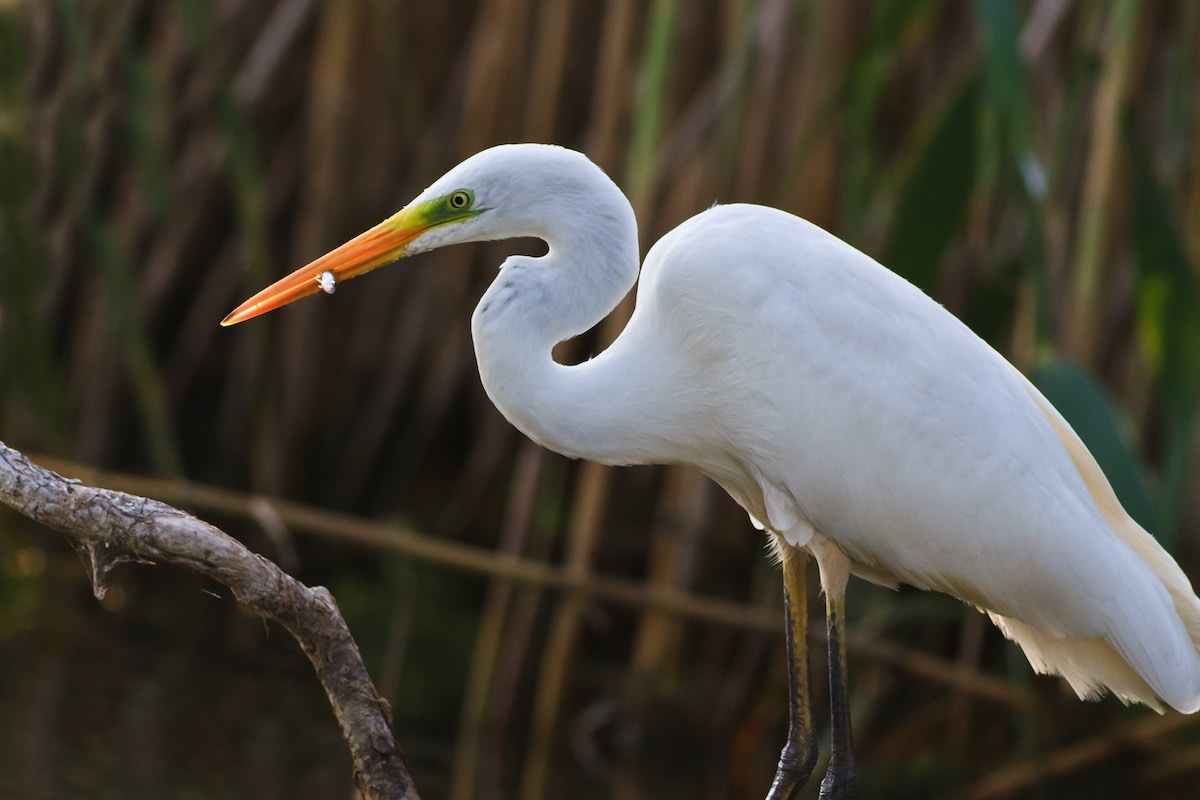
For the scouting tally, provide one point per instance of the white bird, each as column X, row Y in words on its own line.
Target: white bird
column 849, row 414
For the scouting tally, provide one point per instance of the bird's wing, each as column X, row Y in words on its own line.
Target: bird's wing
column 898, row 433
column 911, row 444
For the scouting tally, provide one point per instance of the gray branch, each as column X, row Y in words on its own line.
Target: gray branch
column 108, row 527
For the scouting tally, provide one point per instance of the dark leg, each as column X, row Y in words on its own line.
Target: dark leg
column 841, row 779
column 800, row 751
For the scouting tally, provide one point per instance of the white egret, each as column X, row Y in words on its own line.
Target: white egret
column 851, row 416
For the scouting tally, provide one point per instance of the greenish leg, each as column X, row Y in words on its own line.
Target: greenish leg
column 800, row 751
column 841, row 779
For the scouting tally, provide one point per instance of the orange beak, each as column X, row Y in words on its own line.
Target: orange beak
column 381, row 244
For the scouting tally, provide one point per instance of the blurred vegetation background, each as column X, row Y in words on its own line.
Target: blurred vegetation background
column 545, row 628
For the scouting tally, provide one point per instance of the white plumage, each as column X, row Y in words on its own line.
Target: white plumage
column 834, row 399
column 846, row 411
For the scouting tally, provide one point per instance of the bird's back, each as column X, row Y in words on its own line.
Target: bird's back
column 833, row 392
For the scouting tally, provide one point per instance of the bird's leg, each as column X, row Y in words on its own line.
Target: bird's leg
column 800, row 751
column 841, row 779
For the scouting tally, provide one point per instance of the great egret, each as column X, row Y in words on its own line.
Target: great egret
column 849, row 414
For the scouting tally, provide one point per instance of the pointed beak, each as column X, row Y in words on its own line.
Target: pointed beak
column 381, row 244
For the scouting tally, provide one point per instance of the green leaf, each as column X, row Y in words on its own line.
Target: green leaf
column 651, row 94
column 1107, row 434
column 1168, row 313
column 1006, row 92
column 892, row 24
column 1168, row 301
column 935, row 189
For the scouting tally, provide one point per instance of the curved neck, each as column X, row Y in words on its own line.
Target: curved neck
column 591, row 410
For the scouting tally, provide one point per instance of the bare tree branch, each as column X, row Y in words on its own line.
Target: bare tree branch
column 109, row 527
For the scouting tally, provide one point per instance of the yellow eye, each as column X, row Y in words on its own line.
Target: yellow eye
column 461, row 200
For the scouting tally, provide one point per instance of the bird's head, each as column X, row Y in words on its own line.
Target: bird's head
column 499, row 193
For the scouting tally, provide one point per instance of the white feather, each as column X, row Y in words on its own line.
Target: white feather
column 837, row 403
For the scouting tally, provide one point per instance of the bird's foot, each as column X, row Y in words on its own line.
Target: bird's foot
column 793, row 771
column 840, row 783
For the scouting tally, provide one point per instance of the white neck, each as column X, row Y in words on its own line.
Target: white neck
column 594, row 410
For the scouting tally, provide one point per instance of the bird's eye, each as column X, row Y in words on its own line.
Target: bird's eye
column 461, row 200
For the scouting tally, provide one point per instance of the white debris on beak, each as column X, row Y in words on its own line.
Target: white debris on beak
column 327, row 282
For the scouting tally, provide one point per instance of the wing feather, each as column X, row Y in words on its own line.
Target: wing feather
column 912, row 445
